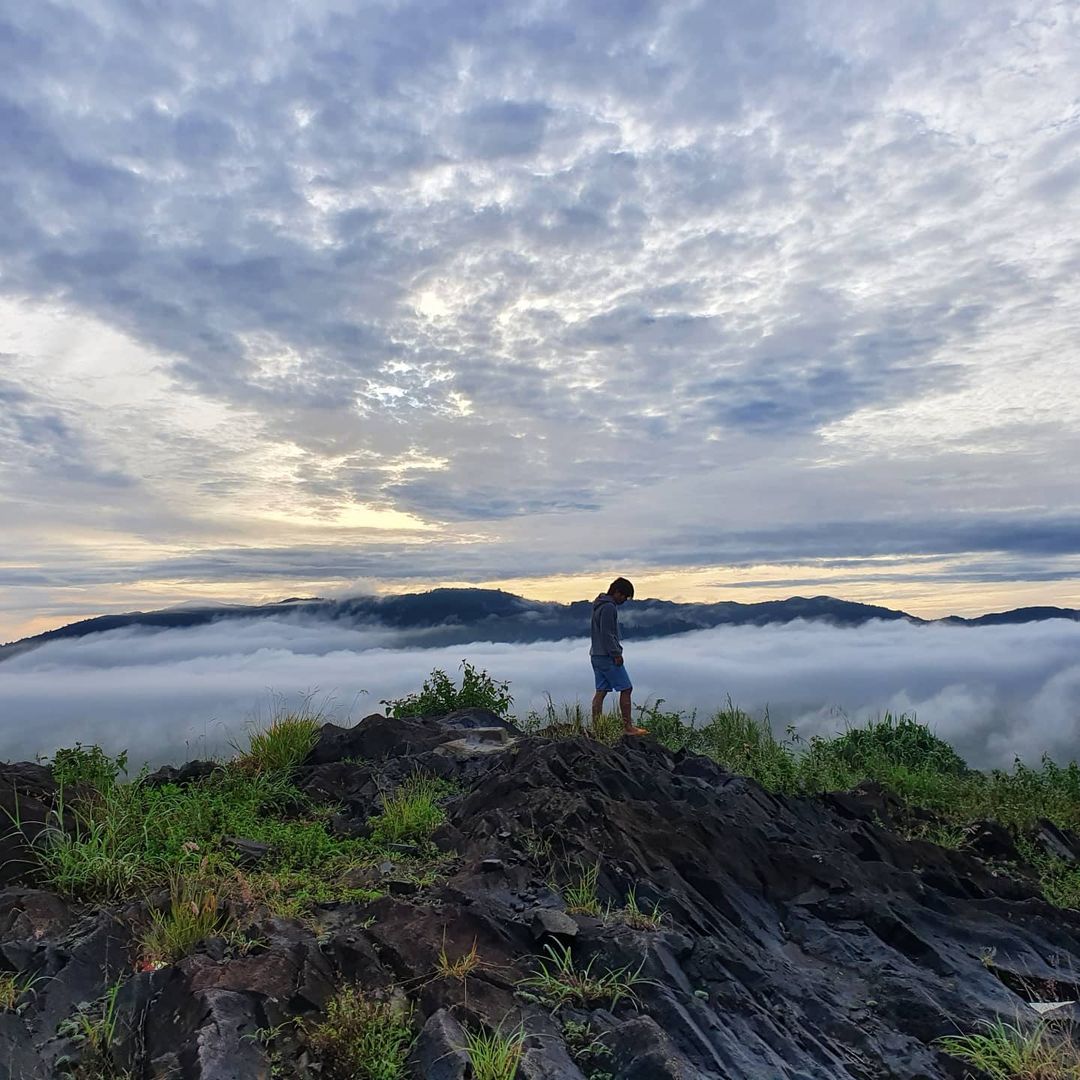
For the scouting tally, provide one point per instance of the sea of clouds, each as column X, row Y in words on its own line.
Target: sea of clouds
column 168, row 695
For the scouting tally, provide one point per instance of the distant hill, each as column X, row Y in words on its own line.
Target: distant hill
column 459, row 616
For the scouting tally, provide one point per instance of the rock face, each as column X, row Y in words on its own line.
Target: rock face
column 794, row 939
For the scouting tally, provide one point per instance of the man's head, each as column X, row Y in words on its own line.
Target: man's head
column 621, row 590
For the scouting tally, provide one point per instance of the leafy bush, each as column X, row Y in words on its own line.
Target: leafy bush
column 899, row 741
column 440, row 695
column 88, row 765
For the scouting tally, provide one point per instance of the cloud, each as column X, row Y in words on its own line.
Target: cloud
column 994, row 692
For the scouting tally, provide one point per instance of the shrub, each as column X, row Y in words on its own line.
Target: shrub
column 88, row 765
column 440, row 695
column 362, row 1039
column 894, row 741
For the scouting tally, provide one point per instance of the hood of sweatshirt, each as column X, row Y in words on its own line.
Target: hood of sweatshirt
column 602, row 599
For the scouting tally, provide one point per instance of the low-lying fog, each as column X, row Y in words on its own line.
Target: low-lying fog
column 994, row 692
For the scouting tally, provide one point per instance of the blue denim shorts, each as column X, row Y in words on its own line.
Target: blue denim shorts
column 609, row 675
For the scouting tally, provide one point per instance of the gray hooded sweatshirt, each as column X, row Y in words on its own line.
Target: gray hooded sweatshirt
column 605, row 627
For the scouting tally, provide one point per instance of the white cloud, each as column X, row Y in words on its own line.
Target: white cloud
column 994, row 692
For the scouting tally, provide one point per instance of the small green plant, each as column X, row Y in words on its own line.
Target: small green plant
column 587, row 1050
column 637, row 917
column 412, row 812
column 1016, row 1051
column 13, row 985
column 440, row 695
column 194, row 914
column 95, row 1028
column 88, row 765
column 580, row 895
column 558, row 981
column 495, row 1055
column 363, row 1039
column 282, row 744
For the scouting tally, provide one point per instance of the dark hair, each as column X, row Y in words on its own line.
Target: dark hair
column 623, row 586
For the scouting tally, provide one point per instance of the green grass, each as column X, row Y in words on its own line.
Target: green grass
column 362, row 1039
column 413, row 812
column 495, row 1054
column 135, row 835
column 572, row 721
column 132, row 837
column 282, row 745
column 1017, row 1051
column 558, row 981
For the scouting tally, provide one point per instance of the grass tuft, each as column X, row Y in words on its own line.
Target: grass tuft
column 580, row 896
column 193, row 915
column 282, row 745
column 1016, row 1051
column 637, row 917
column 558, row 981
column 412, row 813
column 362, row 1039
column 460, row 967
column 495, row 1055
column 13, row 986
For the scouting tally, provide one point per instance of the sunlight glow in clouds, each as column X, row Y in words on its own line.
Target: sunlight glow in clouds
column 292, row 295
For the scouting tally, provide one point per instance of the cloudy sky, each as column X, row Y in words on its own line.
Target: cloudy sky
column 745, row 299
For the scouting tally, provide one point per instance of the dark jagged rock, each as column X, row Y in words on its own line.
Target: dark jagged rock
column 798, row 939
column 27, row 794
column 185, row 774
column 440, row 1053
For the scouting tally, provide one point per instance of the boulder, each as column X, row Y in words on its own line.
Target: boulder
column 439, row 1052
column 550, row 923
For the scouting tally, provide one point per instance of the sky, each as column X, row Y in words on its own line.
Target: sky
column 994, row 692
column 742, row 299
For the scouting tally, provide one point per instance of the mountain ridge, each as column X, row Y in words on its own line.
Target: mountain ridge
column 448, row 616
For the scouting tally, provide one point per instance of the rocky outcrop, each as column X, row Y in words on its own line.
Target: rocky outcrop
column 786, row 939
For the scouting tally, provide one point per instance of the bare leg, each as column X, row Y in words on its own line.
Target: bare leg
column 629, row 727
column 598, row 705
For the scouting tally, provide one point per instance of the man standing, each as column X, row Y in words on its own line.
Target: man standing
column 607, row 655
